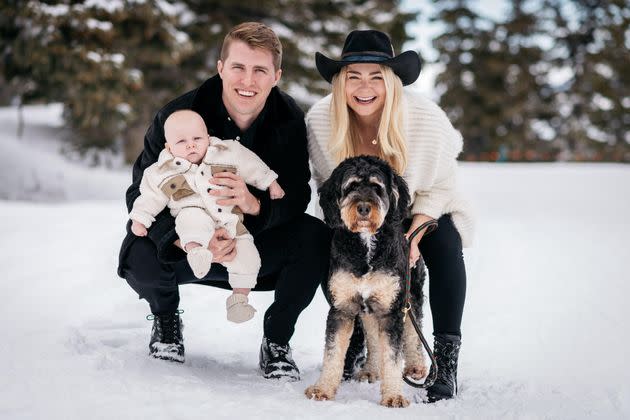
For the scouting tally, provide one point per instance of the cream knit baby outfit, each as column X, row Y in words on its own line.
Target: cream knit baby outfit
column 184, row 187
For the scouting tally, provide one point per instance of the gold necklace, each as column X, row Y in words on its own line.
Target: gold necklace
column 374, row 141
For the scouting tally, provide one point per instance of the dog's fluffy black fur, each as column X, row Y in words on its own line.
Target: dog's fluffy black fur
column 365, row 203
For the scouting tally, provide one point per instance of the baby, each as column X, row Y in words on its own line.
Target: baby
column 180, row 180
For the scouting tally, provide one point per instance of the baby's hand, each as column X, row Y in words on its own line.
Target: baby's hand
column 275, row 191
column 138, row 228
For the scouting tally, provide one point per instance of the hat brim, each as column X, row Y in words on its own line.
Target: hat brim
column 407, row 66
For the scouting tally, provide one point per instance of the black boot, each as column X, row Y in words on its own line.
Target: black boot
column 356, row 353
column 276, row 361
column 446, row 350
column 167, row 341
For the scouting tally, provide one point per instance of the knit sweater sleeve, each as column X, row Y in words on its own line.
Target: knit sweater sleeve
column 432, row 200
column 318, row 131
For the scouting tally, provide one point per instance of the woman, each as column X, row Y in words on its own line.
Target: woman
column 369, row 113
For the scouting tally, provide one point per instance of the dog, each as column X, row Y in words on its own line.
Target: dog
column 365, row 203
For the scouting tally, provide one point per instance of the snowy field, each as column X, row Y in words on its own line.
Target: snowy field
column 544, row 334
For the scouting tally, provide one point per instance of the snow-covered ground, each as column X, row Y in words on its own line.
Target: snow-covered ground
column 544, row 332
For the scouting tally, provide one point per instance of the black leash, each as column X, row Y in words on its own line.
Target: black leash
column 431, row 225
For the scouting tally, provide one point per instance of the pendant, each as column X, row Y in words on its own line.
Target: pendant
column 374, row 141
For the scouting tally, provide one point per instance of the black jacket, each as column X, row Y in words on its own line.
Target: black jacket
column 280, row 141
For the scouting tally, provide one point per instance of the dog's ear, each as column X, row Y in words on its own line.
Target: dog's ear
column 329, row 196
column 399, row 197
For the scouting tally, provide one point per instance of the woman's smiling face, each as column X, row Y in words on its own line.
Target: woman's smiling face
column 365, row 89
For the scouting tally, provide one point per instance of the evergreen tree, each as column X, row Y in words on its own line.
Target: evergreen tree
column 527, row 99
column 106, row 63
column 493, row 85
column 466, row 50
column 594, row 117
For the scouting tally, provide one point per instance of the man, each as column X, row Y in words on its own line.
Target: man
column 243, row 103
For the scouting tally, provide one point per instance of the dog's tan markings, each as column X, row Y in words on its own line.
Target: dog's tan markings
column 377, row 181
column 380, row 288
column 370, row 371
column 415, row 361
column 343, row 290
column 332, row 370
column 377, row 287
column 350, row 180
column 349, row 215
column 376, row 218
column 349, row 212
column 391, row 374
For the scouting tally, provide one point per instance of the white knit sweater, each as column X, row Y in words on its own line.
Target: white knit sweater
column 432, row 145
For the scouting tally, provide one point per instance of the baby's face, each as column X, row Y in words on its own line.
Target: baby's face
column 187, row 137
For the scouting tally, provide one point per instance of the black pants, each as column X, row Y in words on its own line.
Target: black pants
column 442, row 253
column 294, row 259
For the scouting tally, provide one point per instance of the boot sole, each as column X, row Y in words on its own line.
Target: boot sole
column 176, row 359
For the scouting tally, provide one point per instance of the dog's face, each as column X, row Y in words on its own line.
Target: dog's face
column 362, row 193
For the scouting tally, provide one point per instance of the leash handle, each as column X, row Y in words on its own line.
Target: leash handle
column 431, row 225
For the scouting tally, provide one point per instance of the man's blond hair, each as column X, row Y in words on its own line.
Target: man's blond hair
column 255, row 35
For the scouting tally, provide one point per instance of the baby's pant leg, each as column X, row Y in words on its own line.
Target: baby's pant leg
column 193, row 224
column 243, row 269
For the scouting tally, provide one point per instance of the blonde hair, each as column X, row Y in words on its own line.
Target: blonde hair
column 345, row 139
column 255, row 35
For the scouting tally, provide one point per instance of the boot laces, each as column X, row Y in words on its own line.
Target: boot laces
column 169, row 326
column 279, row 351
column 446, row 355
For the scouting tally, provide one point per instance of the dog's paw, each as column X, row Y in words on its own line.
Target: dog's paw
column 394, row 401
column 366, row 375
column 317, row 393
column 416, row 372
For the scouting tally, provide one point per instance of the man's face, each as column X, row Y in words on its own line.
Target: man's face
column 248, row 76
column 186, row 136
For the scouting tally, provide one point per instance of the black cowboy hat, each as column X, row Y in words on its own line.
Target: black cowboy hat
column 371, row 47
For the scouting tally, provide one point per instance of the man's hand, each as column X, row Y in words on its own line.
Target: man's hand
column 223, row 247
column 414, row 251
column 138, row 228
column 235, row 193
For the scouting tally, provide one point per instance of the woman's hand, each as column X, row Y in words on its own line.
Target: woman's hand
column 235, row 193
column 414, row 251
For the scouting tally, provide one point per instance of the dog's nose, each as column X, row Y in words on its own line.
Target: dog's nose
column 364, row 209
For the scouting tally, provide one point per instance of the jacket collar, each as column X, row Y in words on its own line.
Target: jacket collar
column 216, row 145
column 166, row 157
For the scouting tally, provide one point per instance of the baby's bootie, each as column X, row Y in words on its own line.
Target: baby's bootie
column 238, row 310
column 200, row 260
